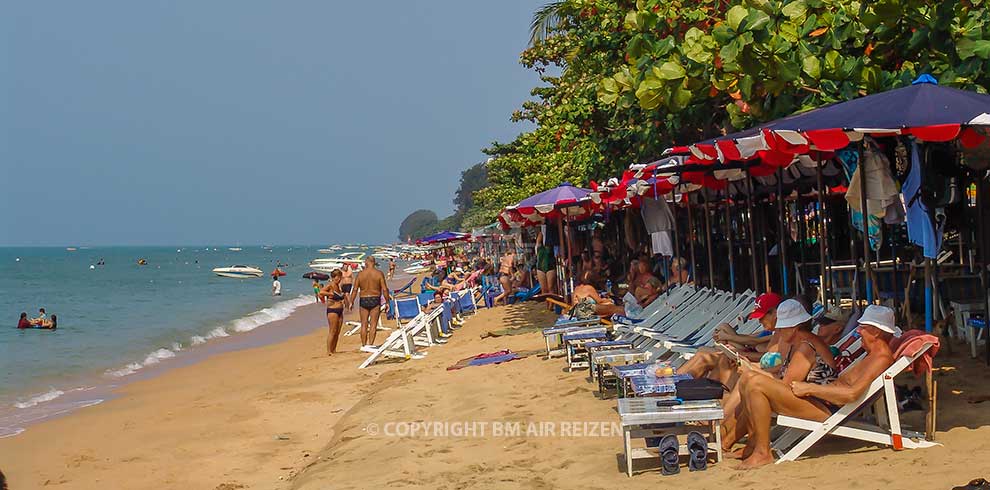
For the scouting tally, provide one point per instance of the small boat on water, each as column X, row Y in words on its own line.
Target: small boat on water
column 353, row 259
column 235, row 249
column 238, row 271
column 419, row 267
column 70, row 249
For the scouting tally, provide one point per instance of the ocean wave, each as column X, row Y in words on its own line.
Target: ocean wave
column 274, row 313
column 41, row 398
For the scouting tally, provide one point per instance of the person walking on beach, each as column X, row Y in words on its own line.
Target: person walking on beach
column 391, row 268
column 505, row 276
column 276, row 287
column 316, row 290
column 347, row 282
column 369, row 288
column 332, row 295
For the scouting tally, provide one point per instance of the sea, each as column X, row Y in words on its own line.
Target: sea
column 117, row 318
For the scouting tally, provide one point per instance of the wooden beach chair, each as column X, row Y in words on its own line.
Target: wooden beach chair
column 402, row 343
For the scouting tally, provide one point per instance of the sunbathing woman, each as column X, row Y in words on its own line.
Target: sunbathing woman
column 334, row 297
column 763, row 396
column 803, row 357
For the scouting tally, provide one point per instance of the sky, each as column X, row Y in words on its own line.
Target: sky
column 247, row 122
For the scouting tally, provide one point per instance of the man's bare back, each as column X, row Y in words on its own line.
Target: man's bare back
column 371, row 282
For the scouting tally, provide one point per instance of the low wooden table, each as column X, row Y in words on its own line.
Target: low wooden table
column 642, row 418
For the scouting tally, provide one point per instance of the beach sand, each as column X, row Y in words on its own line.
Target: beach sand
column 283, row 416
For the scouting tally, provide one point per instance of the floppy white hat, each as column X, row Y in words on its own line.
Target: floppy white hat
column 790, row 313
column 880, row 317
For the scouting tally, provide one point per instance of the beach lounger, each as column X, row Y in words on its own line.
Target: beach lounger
column 401, row 343
column 409, row 310
column 526, row 295
column 405, row 290
column 887, row 432
column 355, row 326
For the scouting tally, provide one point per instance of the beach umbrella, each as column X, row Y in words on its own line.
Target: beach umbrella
column 319, row 276
column 563, row 200
column 444, row 237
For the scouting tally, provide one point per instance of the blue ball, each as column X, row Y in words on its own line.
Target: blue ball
column 771, row 360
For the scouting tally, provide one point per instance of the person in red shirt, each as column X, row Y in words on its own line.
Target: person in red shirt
column 24, row 322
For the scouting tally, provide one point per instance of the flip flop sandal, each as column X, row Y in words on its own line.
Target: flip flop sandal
column 670, row 455
column 697, row 447
column 977, row 484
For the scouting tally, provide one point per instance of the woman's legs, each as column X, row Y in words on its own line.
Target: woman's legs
column 334, row 320
column 763, row 396
column 551, row 286
column 541, row 278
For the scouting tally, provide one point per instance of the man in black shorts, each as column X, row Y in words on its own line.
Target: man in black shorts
column 369, row 287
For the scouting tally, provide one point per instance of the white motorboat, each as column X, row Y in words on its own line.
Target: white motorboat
column 331, row 250
column 353, row 259
column 238, row 271
column 235, row 249
column 419, row 267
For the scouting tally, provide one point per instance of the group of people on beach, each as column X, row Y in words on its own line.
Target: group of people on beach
column 41, row 321
column 368, row 288
column 790, row 368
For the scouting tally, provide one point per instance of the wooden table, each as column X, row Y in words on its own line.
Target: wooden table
column 642, row 418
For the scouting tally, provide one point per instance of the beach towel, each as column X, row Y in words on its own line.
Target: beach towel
column 497, row 357
column 909, row 343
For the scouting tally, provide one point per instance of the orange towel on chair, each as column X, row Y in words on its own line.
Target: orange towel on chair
column 909, row 343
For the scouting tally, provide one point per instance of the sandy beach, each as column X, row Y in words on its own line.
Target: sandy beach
column 284, row 416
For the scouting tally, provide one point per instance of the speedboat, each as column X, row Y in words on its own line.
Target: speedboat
column 235, row 249
column 353, row 259
column 419, row 267
column 238, row 271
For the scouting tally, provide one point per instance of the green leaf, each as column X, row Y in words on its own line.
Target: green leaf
column 967, row 48
column 756, row 20
column 746, row 86
column 795, row 10
column 649, row 98
column 697, row 46
column 680, row 99
column 789, row 32
column 670, row 70
column 631, row 21
column 735, row 16
column 722, row 34
column 729, row 52
column 789, row 70
column 832, row 61
column 812, row 66
column 637, row 46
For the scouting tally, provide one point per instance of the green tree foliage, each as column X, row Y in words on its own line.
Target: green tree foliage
column 418, row 224
column 578, row 137
column 472, row 180
column 713, row 65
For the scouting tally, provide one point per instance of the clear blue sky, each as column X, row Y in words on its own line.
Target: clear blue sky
column 189, row 122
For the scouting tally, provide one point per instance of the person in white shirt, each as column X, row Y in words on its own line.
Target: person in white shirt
column 276, row 287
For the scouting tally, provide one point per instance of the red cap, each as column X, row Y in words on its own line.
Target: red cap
column 764, row 303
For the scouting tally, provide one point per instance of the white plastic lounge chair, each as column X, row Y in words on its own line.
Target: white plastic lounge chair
column 888, row 431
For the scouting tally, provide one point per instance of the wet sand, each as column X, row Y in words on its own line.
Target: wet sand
column 284, row 416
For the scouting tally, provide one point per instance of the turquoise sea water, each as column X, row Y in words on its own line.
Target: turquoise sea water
column 121, row 317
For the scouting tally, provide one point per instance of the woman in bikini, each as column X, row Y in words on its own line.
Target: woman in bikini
column 505, row 276
column 333, row 296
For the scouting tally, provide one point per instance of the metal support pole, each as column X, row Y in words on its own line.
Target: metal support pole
column 708, row 245
column 732, row 246
column 752, row 232
column 981, row 196
column 690, row 238
column 820, row 218
column 781, row 229
column 866, row 227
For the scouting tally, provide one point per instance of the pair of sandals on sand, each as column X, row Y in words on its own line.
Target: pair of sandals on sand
column 977, row 484
column 670, row 460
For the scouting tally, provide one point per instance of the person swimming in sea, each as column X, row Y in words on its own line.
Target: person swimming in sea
column 23, row 322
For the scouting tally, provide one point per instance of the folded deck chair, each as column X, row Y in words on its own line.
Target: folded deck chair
column 408, row 310
column 405, row 290
column 355, row 326
column 526, row 295
column 402, row 343
column 841, row 424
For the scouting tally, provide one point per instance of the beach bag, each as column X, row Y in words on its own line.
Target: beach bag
column 941, row 184
column 699, row 389
column 584, row 310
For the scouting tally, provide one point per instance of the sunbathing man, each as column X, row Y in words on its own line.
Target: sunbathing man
column 763, row 396
column 369, row 286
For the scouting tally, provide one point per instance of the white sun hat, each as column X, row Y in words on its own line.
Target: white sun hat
column 880, row 317
column 791, row 313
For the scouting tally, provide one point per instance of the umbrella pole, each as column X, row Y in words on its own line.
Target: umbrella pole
column 708, row 245
column 677, row 246
column 928, row 295
column 752, row 235
column 690, row 237
column 728, row 236
column 560, row 235
column 781, row 229
column 820, row 219
column 981, row 195
column 802, row 240
column 868, row 268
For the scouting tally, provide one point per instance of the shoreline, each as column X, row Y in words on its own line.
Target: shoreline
column 284, row 416
column 96, row 388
